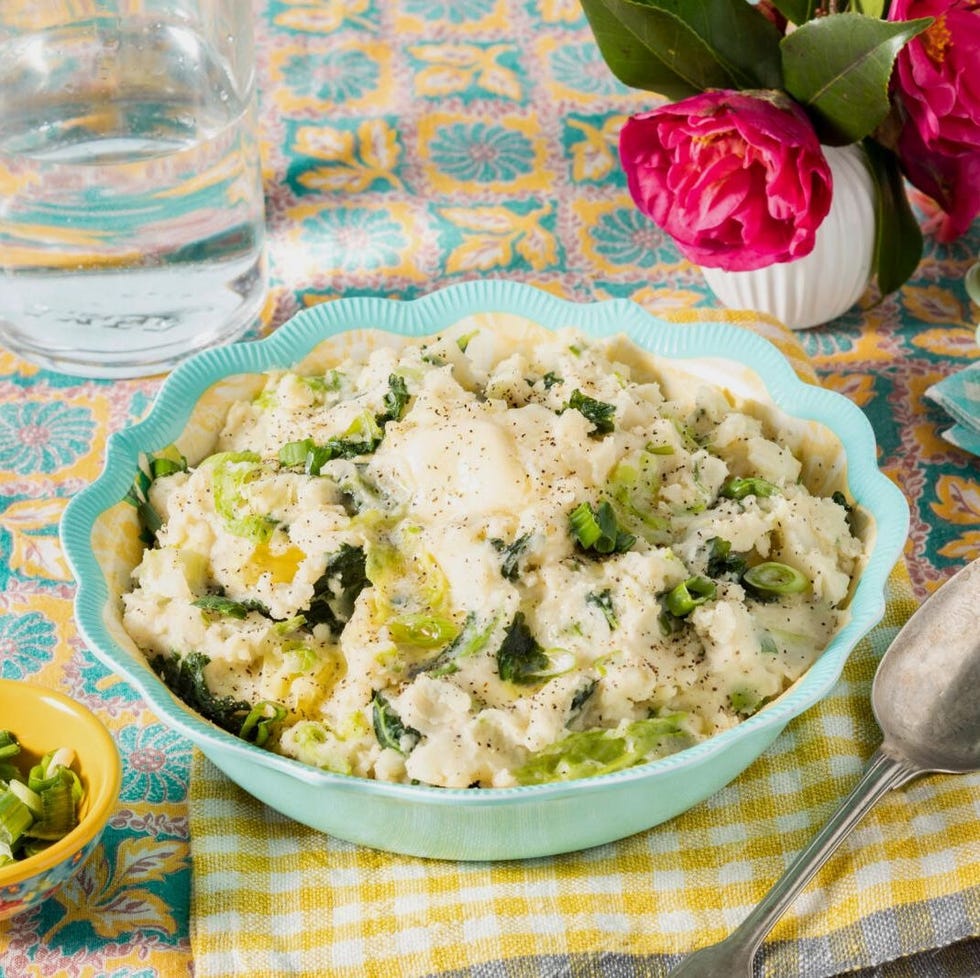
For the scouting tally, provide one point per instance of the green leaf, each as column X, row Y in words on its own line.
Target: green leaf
column 797, row 11
column 800, row 11
column 678, row 48
column 898, row 237
column 839, row 66
column 870, row 8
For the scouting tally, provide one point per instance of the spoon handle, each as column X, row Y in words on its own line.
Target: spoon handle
column 733, row 956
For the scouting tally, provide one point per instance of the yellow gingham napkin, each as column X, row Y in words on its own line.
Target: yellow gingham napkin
column 272, row 898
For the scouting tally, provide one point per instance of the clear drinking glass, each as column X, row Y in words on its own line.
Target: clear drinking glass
column 131, row 210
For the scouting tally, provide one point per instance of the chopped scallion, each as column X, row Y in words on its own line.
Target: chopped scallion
column 739, row 488
column 772, row 578
column 422, row 630
column 598, row 530
column 40, row 807
column 258, row 724
column 683, row 598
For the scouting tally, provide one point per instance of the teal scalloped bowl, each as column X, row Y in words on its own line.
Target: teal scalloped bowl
column 99, row 536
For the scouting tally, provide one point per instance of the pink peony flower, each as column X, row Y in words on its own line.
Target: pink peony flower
column 936, row 88
column 738, row 180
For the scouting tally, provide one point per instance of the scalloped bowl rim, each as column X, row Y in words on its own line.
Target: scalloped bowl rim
column 426, row 315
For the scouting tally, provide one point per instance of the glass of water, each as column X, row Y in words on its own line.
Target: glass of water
column 131, row 210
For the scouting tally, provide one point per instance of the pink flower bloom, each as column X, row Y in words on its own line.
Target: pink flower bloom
column 738, row 180
column 936, row 88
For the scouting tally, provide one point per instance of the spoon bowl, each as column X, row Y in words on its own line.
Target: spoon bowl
column 924, row 699
column 928, row 678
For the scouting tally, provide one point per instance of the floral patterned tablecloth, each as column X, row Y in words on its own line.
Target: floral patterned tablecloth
column 409, row 145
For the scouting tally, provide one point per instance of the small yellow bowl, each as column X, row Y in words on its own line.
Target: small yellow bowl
column 43, row 719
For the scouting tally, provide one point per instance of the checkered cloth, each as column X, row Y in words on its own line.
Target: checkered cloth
column 273, row 898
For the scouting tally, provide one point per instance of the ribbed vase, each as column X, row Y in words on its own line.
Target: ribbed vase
column 827, row 282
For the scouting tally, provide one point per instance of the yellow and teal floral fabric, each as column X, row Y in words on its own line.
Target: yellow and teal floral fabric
column 407, row 145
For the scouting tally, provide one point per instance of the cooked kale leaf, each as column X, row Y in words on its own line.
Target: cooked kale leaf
column 512, row 554
column 603, row 601
column 722, row 563
column 337, row 589
column 395, row 400
column 152, row 467
column 218, row 605
column 520, row 659
column 583, row 695
column 599, row 413
column 389, row 728
column 184, row 677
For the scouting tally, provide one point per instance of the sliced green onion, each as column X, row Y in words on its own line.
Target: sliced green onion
column 62, row 757
column 744, row 701
column 257, row 726
column 8, row 745
column 423, row 631
column 40, row 808
column 597, row 529
column 771, row 577
column 560, row 661
column 683, row 598
column 30, row 798
column 161, row 466
column 289, row 625
column 738, row 488
column 57, row 817
column 584, row 526
column 464, row 341
column 15, row 818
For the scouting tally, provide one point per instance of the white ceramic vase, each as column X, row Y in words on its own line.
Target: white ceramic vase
column 827, row 282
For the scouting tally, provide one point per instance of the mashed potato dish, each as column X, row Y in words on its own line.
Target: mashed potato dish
column 476, row 560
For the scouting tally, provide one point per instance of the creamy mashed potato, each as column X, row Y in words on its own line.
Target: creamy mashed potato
column 473, row 560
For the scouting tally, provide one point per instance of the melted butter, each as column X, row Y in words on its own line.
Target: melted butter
column 282, row 567
column 462, row 467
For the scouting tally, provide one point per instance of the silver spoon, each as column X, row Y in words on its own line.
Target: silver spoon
column 925, row 700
